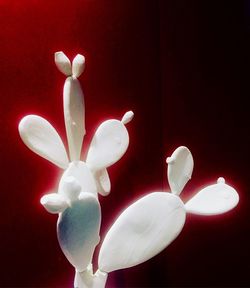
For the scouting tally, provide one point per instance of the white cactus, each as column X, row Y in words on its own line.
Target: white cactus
column 150, row 224
column 76, row 199
column 147, row 226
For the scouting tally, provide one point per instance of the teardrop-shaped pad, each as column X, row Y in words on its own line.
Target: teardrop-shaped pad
column 41, row 137
column 180, row 168
column 63, row 63
column 213, row 200
column 78, row 230
column 143, row 230
column 78, row 65
column 108, row 145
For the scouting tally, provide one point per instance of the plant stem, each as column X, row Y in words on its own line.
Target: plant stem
column 87, row 279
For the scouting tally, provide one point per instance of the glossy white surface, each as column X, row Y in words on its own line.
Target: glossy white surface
column 70, row 188
column 143, row 230
column 102, row 182
column 127, row 117
column 213, row 200
column 54, row 203
column 41, row 137
column 87, row 279
column 78, row 65
column 76, row 201
column 78, row 230
column 147, row 226
column 74, row 116
column 108, row 145
column 180, row 168
column 63, row 63
column 81, row 173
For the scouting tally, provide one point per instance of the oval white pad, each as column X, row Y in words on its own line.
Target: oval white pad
column 143, row 230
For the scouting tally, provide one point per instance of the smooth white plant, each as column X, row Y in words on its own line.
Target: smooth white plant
column 147, row 226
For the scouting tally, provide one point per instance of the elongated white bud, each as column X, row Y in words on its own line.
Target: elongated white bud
column 63, row 63
column 74, row 116
column 127, row 117
column 78, row 65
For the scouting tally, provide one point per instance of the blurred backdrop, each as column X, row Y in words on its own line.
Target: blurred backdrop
column 183, row 68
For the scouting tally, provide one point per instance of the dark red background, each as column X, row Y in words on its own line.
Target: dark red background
column 183, row 68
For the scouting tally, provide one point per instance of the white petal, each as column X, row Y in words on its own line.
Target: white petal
column 41, row 137
column 78, row 230
column 108, row 145
column 63, row 63
column 74, row 116
column 78, row 65
column 82, row 175
column 143, row 230
column 213, row 200
column 103, row 182
column 54, row 203
column 180, row 168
